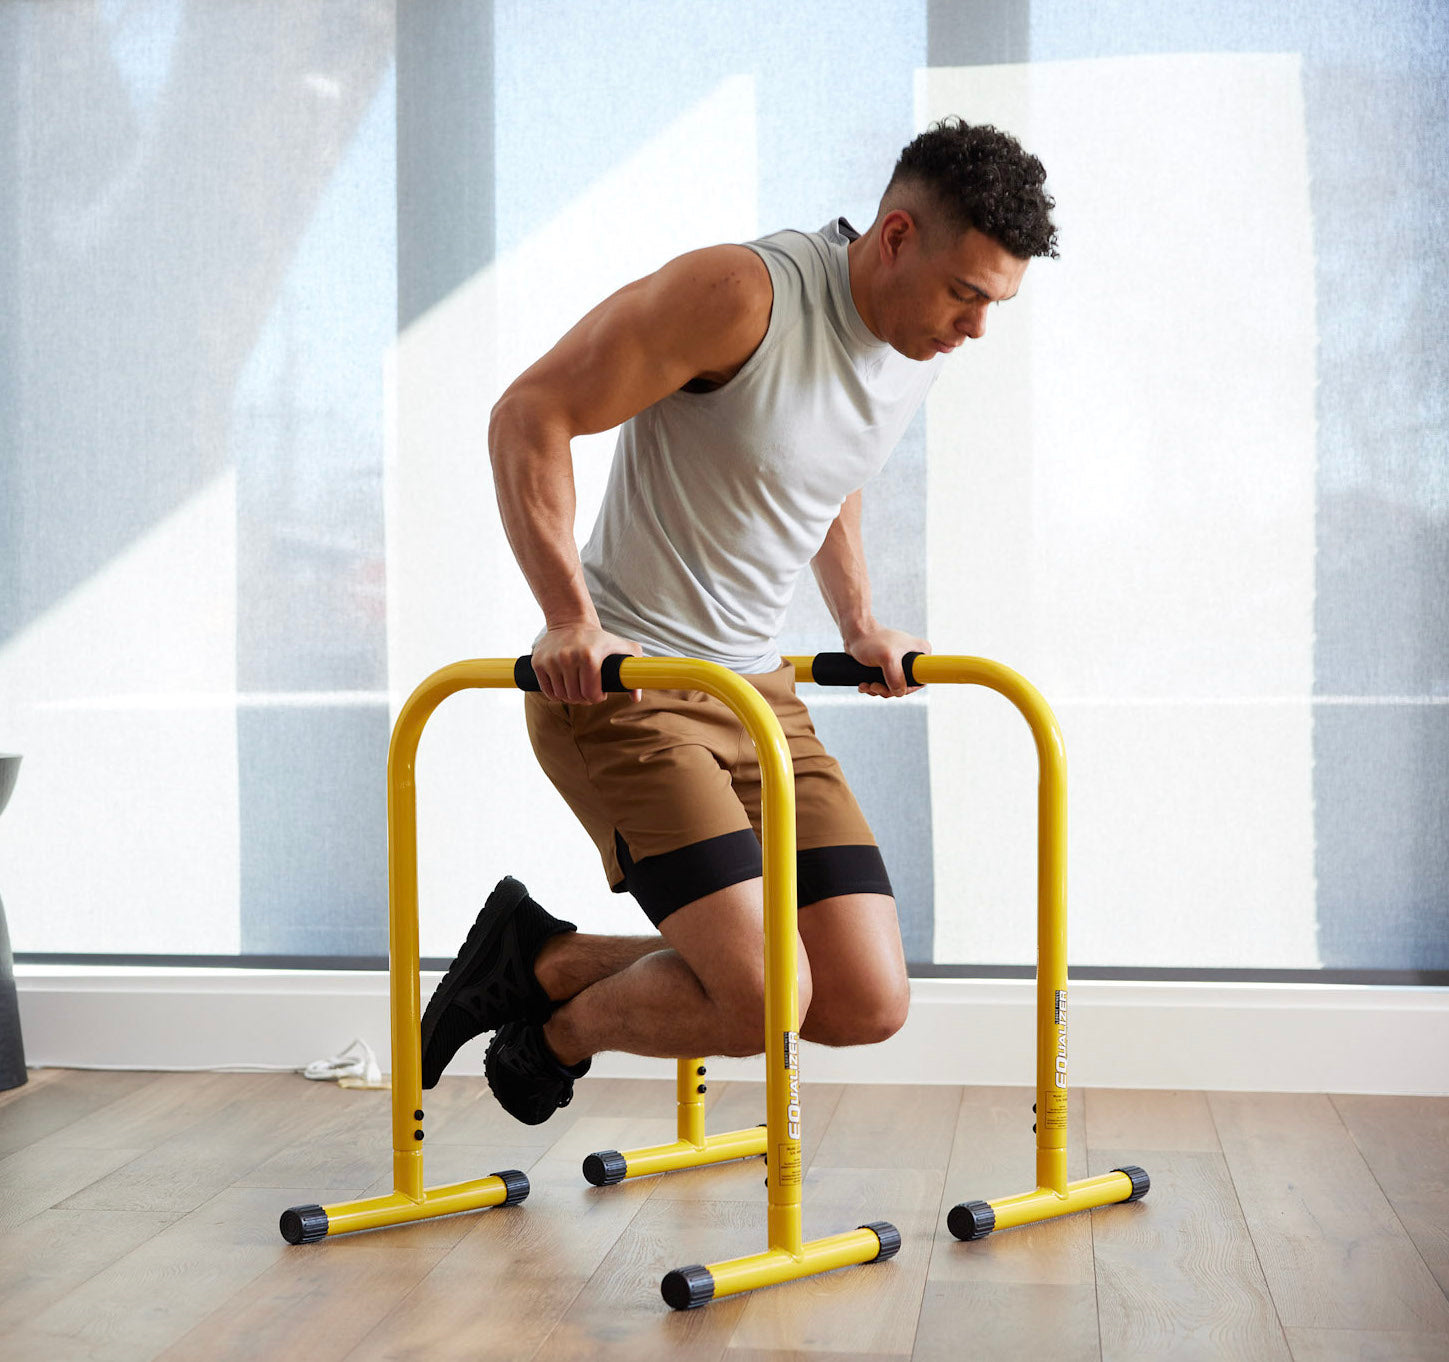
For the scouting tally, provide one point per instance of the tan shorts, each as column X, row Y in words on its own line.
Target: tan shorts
column 668, row 787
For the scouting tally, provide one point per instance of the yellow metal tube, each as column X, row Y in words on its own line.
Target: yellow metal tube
column 774, row 1265
column 1045, row 1203
column 395, row 1208
column 689, row 1095
column 670, row 1158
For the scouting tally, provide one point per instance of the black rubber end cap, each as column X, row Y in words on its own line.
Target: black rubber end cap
column 971, row 1220
column 687, row 1288
column 517, row 1184
column 890, row 1239
column 1141, row 1183
column 606, row 1167
column 304, row 1224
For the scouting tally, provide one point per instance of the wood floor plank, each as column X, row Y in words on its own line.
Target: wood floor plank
column 1122, row 1118
column 317, row 1304
column 890, row 1126
column 872, row 1308
column 1177, row 1274
column 35, row 1079
column 993, row 1155
column 509, row 1280
column 49, row 1255
column 984, row 1318
column 1334, row 1253
column 161, row 1108
column 147, row 1300
column 1347, row 1345
column 350, row 1142
column 1028, row 1291
column 42, row 1107
column 798, row 1355
column 620, row 1314
column 1405, row 1142
column 191, row 1167
column 39, row 1176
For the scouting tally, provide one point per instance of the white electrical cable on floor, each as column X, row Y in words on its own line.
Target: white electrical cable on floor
column 346, row 1069
column 363, row 1067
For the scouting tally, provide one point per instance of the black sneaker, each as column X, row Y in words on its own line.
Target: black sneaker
column 492, row 980
column 529, row 1083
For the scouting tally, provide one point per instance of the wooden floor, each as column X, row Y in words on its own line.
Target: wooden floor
column 138, row 1219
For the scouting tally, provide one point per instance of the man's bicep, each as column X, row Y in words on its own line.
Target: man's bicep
column 697, row 314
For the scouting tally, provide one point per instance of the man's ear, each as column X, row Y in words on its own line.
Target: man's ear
column 896, row 228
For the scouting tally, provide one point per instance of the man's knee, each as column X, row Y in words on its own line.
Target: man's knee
column 740, row 1005
column 861, row 1018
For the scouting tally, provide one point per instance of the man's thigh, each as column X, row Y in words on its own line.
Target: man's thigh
column 861, row 991
column 721, row 938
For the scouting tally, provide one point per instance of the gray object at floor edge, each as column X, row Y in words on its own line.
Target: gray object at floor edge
column 12, row 1047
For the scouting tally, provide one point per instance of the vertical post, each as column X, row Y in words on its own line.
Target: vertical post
column 782, row 993
column 691, row 1101
column 1051, row 966
column 403, row 986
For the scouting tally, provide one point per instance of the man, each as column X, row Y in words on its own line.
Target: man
column 759, row 387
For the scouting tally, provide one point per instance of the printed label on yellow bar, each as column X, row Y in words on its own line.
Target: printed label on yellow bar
column 787, row 1160
column 1055, row 1116
column 1061, row 1074
column 792, row 1070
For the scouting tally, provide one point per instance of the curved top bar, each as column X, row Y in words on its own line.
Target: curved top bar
column 949, row 668
column 647, row 673
column 407, row 729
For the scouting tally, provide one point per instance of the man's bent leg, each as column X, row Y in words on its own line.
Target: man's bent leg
column 862, row 991
column 704, row 995
column 569, row 962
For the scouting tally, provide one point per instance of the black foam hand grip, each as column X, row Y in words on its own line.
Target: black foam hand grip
column 840, row 669
column 525, row 678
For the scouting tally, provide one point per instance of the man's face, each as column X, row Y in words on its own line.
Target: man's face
column 939, row 294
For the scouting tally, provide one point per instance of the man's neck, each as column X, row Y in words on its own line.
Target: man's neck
column 861, row 256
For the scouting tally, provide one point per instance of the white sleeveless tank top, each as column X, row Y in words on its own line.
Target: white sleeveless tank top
column 716, row 501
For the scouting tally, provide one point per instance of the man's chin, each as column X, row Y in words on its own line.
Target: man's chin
column 921, row 351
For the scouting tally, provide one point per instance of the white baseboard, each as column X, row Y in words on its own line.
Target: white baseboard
column 1236, row 1037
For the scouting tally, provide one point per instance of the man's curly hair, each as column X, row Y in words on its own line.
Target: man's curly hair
column 978, row 176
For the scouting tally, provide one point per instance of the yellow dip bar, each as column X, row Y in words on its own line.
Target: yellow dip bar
column 786, row 1256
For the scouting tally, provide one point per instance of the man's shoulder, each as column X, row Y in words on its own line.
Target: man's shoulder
column 724, row 285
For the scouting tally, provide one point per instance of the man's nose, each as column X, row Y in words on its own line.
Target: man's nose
column 973, row 322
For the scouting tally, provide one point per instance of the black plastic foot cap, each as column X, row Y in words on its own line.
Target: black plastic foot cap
column 687, row 1288
column 1141, row 1183
column 890, row 1239
column 517, row 1184
column 606, row 1167
column 971, row 1220
column 304, row 1224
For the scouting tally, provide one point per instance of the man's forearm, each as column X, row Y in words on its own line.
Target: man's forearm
column 533, row 476
column 841, row 573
